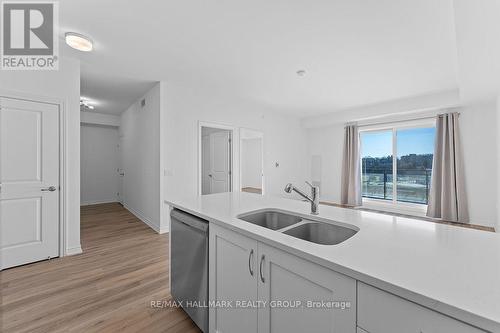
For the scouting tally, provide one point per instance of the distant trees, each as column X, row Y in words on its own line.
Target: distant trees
column 377, row 163
column 406, row 162
column 416, row 162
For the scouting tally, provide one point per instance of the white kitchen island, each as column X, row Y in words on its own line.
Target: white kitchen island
column 397, row 274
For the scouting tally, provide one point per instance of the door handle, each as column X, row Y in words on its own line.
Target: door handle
column 250, row 262
column 261, row 269
column 49, row 189
column 210, row 175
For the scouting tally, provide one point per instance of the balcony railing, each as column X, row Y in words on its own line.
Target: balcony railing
column 412, row 185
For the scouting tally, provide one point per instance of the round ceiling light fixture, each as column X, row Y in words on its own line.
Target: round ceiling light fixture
column 79, row 42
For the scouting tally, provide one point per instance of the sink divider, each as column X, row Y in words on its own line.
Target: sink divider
column 282, row 230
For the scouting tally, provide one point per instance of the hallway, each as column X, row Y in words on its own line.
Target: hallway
column 108, row 288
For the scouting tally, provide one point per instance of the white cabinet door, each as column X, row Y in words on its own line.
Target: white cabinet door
column 285, row 280
column 233, row 278
column 381, row 312
column 29, row 180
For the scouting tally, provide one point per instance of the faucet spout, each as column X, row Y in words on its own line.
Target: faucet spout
column 313, row 198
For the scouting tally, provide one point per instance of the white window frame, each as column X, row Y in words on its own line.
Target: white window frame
column 394, row 205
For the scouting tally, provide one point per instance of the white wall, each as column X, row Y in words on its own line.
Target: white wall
column 140, row 143
column 478, row 127
column 284, row 138
column 251, row 163
column 63, row 85
column 99, row 164
column 479, row 136
column 327, row 142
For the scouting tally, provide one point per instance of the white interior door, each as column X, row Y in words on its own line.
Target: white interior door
column 220, row 162
column 206, row 182
column 29, row 178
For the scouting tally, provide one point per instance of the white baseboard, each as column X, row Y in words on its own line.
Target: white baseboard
column 144, row 219
column 88, row 203
column 74, row 250
column 165, row 219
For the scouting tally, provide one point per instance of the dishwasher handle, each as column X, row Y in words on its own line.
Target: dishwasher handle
column 189, row 220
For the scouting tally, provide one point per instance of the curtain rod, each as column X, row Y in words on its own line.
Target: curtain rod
column 404, row 120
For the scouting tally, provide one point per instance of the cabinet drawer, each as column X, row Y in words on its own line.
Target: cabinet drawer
column 381, row 312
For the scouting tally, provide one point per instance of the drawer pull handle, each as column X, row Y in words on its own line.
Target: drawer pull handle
column 250, row 262
column 261, row 269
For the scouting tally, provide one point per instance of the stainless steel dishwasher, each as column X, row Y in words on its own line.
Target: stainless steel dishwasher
column 189, row 265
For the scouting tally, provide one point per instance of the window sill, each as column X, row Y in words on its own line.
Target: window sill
column 391, row 207
column 421, row 217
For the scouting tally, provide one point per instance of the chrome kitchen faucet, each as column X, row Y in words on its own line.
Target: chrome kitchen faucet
column 313, row 198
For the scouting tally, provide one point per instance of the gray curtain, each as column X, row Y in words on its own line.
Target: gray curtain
column 351, row 169
column 448, row 199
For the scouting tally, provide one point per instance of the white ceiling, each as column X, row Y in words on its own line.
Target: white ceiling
column 110, row 93
column 355, row 52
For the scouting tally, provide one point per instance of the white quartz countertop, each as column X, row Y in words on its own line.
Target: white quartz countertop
column 453, row 270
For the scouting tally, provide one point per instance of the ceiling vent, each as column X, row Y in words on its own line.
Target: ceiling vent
column 143, row 102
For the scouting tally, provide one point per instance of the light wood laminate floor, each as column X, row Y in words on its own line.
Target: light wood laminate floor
column 252, row 190
column 108, row 288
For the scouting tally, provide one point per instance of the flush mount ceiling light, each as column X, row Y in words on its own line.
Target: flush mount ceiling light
column 79, row 42
column 85, row 105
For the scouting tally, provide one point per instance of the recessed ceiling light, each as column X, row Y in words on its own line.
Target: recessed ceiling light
column 79, row 42
column 301, row 72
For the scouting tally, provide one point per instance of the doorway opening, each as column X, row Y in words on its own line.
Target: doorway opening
column 216, row 153
column 252, row 161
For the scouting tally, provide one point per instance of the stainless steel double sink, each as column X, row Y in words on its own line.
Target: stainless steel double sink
column 308, row 229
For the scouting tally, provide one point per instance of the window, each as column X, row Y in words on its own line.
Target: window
column 396, row 163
